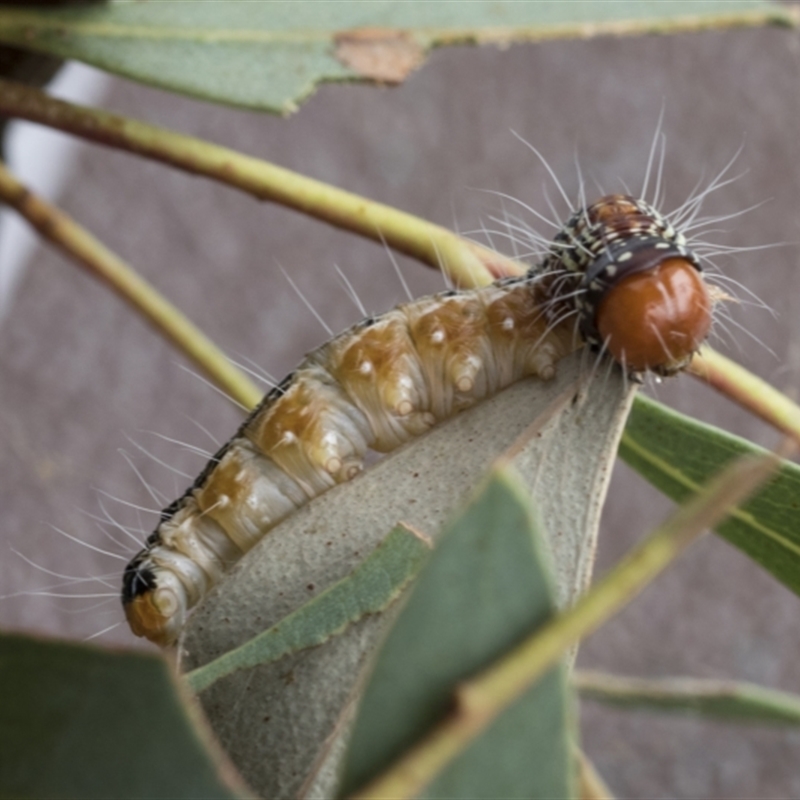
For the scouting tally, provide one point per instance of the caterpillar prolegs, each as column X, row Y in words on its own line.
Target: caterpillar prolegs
column 617, row 275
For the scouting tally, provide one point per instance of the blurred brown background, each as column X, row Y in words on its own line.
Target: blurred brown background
column 79, row 372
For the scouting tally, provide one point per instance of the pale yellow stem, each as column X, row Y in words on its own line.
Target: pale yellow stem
column 88, row 252
column 466, row 263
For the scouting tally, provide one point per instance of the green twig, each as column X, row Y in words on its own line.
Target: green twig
column 750, row 391
column 481, row 699
column 88, row 252
column 731, row 700
column 466, row 263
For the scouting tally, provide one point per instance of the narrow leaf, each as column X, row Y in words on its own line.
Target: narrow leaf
column 369, row 589
column 729, row 700
column 486, row 586
column 677, row 454
column 77, row 722
column 273, row 55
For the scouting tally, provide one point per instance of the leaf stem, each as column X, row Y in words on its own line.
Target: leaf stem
column 86, row 251
column 726, row 699
column 750, row 391
column 466, row 263
column 481, row 699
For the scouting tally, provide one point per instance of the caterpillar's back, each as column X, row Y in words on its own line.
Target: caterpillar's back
column 617, row 275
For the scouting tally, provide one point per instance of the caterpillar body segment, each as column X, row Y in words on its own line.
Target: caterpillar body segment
column 380, row 373
column 373, row 387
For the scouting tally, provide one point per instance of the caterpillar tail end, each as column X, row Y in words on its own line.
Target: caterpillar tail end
column 155, row 611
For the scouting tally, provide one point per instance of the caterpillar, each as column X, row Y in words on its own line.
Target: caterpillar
column 617, row 276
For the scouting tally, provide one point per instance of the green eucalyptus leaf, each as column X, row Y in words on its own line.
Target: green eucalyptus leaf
column 79, row 722
column 371, row 588
column 285, row 723
column 677, row 454
column 272, row 55
column 487, row 585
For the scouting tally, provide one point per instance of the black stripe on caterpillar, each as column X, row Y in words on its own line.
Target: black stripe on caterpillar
column 617, row 275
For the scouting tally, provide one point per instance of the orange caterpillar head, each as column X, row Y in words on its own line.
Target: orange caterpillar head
column 655, row 320
column 637, row 287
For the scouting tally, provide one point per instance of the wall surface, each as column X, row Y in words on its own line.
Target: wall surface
column 79, row 373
